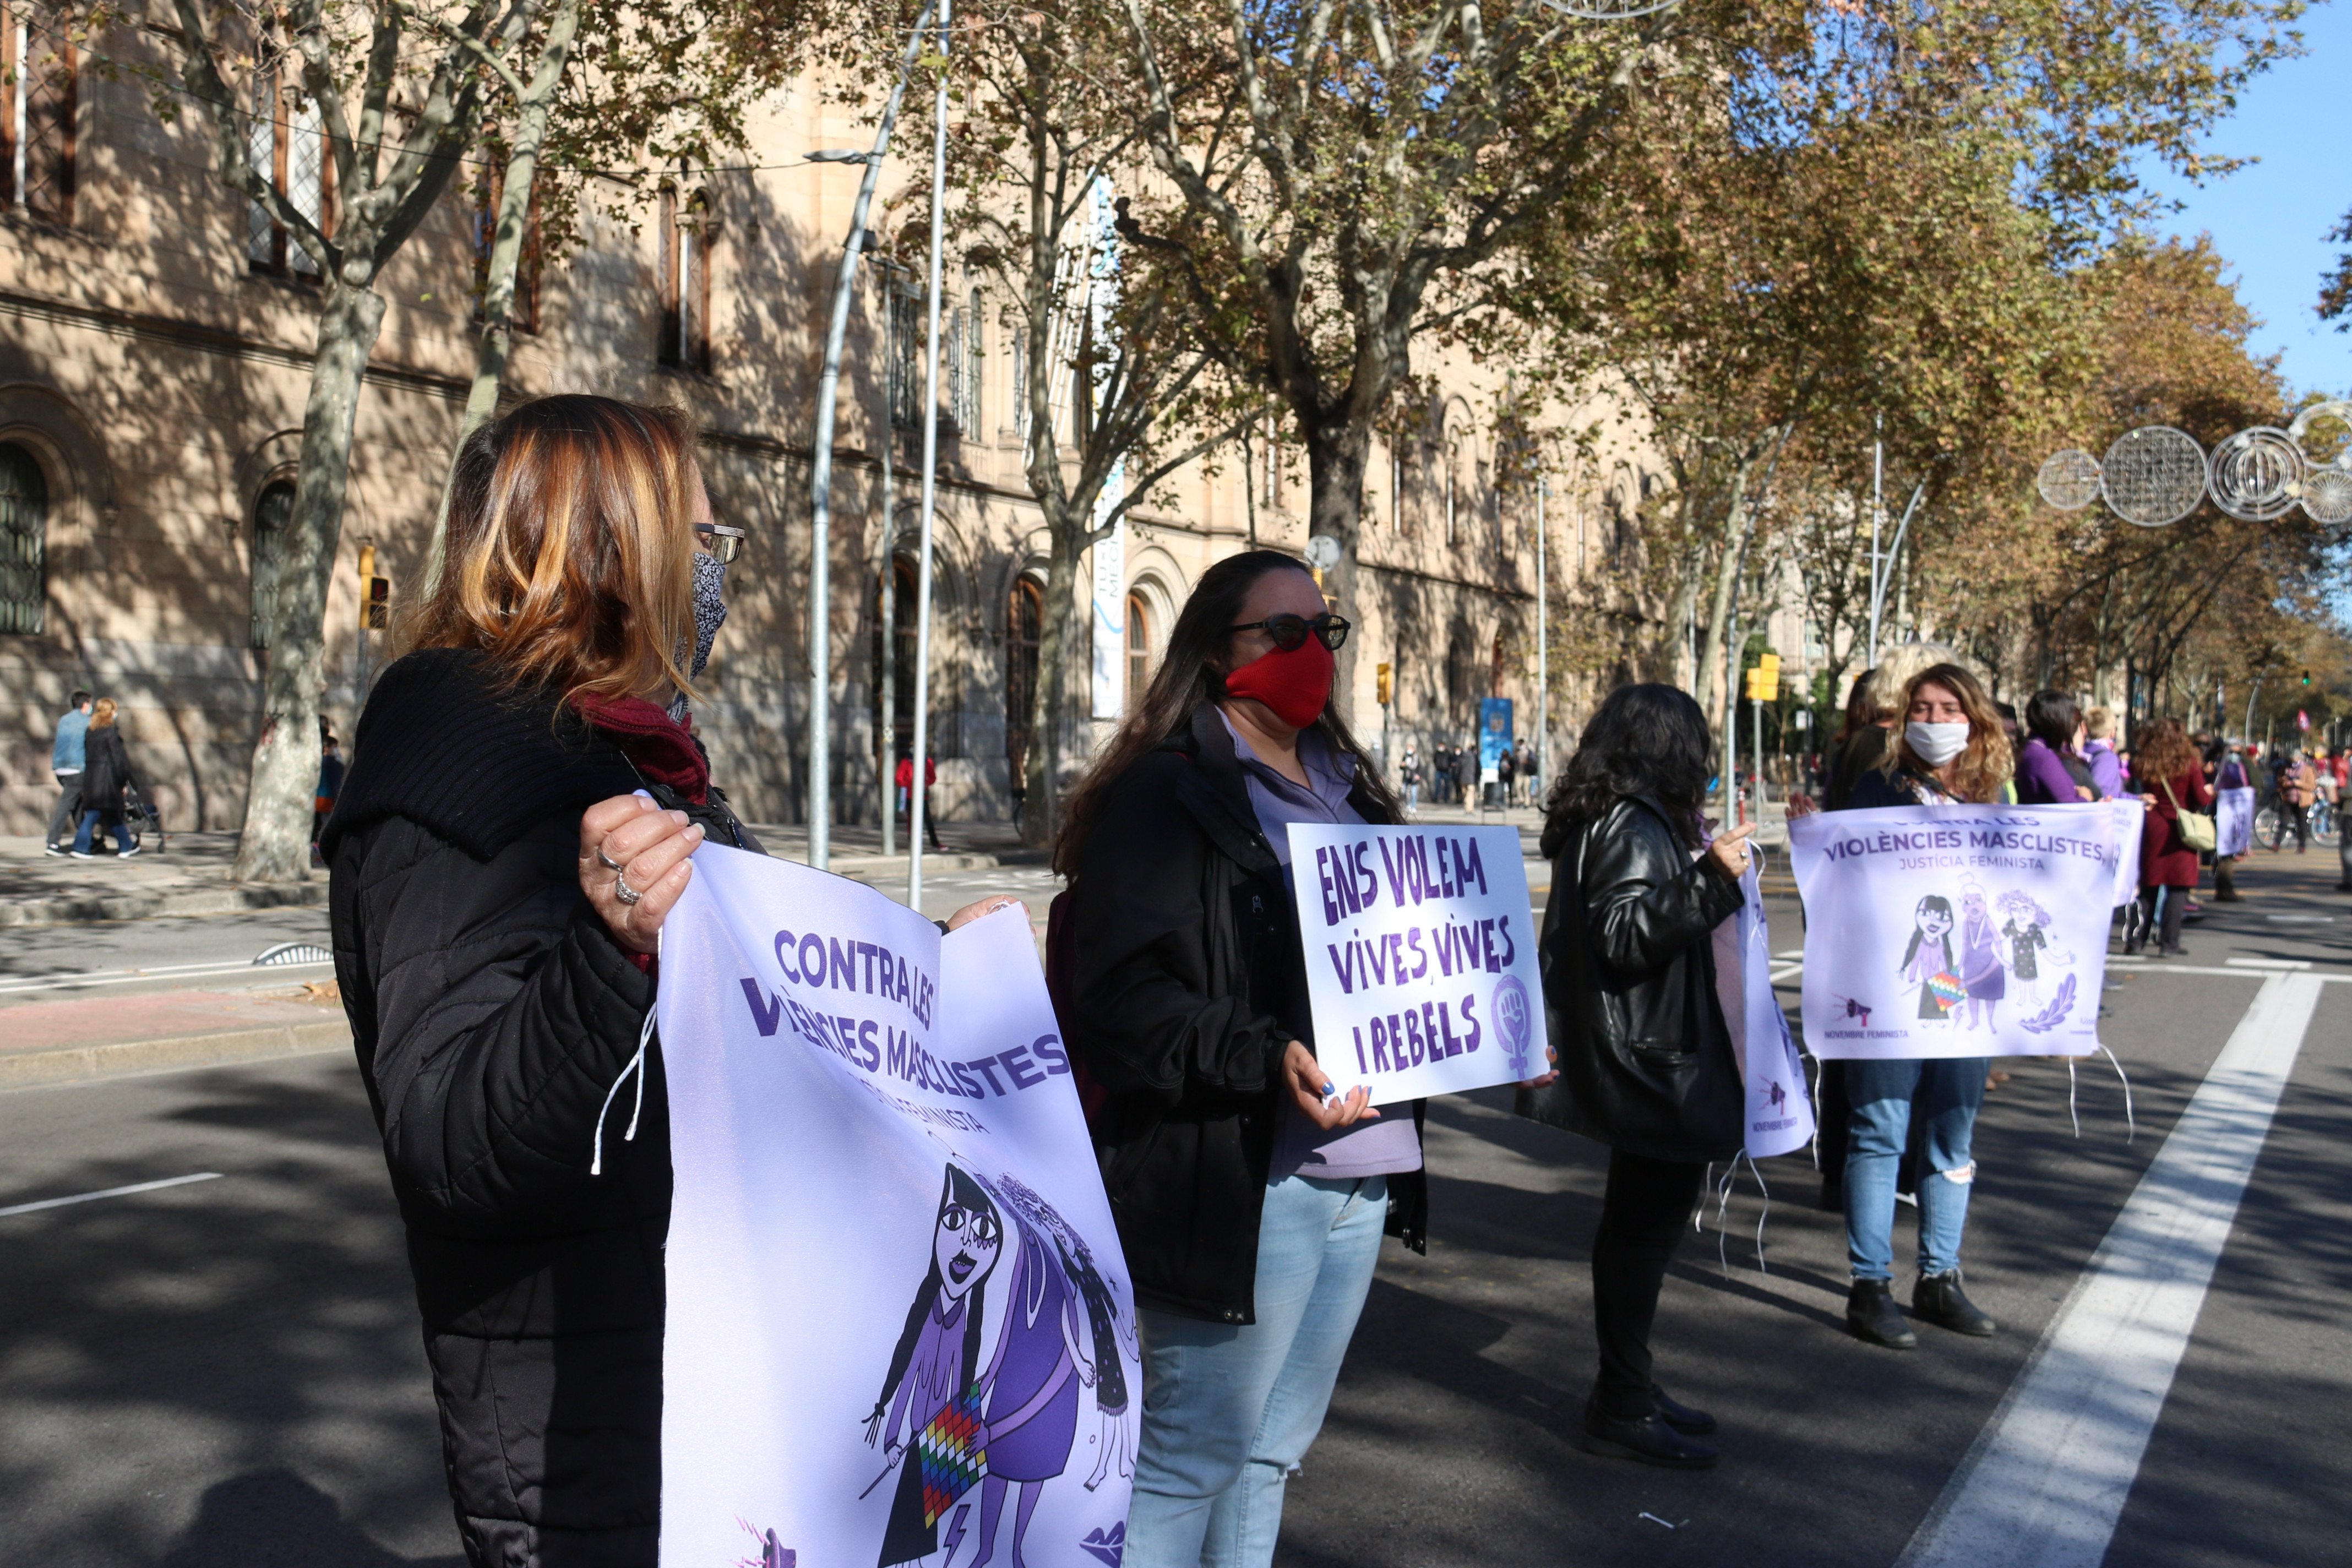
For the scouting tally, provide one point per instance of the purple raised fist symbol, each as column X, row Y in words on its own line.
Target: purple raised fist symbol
column 1515, row 1021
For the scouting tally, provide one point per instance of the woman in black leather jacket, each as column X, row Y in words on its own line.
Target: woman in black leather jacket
column 1644, row 1059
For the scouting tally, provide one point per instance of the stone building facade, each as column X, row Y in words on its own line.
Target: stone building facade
column 154, row 343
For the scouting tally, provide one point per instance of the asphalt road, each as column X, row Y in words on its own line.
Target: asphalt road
column 52, row 964
column 226, row 1372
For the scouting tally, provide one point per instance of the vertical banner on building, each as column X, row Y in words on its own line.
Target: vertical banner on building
column 2234, row 822
column 1493, row 737
column 1110, row 553
column 1779, row 1108
column 899, row 1324
column 1421, row 957
column 1110, row 622
column 1956, row 931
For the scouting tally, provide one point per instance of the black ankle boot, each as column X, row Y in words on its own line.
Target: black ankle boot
column 1648, row 1441
column 1937, row 1299
column 1874, row 1319
column 1680, row 1418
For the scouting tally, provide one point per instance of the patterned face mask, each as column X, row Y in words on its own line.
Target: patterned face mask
column 710, row 614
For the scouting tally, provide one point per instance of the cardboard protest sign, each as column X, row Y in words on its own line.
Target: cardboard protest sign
column 2234, row 822
column 1421, row 957
column 1780, row 1109
column 1956, row 931
column 898, row 1315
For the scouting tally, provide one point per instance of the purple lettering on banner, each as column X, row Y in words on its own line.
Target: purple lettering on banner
column 1368, row 886
column 1356, row 1030
column 811, row 968
column 1383, row 1032
column 1417, row 1043
column 969, row 1085
column 899, row 1042
column 1470, row 1016
column 1416, row 868
column 1020, row 1069
column 1049, row 1051
column 982, row 1065
column 784, row 944
column 1510, row 948
column 844, row 965
column 1323, row 884
column 765, row 1005
column 1376, row 960
column 843, row 1030
column 866, row 1029
column 1445, row 1029
column 1344, row 966
column 1413, row 940
column 1471, row 867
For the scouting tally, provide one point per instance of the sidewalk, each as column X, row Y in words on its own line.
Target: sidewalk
column 103, row 1037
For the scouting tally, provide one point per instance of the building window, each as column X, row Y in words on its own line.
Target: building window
column 899, row 738
column 24, row 540
column 1024, row 626
column 685, row 281
column 272, row 511
column 38, row 95
column 975, row 363
column 1449, row 495
column 287, row 147
column 1397, row 517
column 1020, row 386
column 905, row 358
column 1139, row 650
column 524, row 315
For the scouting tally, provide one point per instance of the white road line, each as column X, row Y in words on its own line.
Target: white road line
column 111, row 1192
column 88, row 977
column 2046, row 1479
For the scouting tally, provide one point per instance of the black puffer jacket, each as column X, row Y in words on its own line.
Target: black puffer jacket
column 106, row 769
column 1185, row 950
column 1646, row 1060
column 492, row 1013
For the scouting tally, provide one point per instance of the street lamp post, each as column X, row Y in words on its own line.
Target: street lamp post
column 1543, row 644
column 922, row 756
column 828, row 392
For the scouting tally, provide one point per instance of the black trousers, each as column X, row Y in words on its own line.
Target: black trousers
column 2167, row 927
column 1643, row 1216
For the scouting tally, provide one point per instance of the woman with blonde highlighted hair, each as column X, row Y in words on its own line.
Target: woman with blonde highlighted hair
column 523, row 803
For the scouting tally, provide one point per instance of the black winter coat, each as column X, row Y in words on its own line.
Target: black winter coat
column 106, row 768
column 491, row 1013
column 1645, row 1060
column 1184, row 952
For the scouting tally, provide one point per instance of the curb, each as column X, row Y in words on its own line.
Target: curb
column 73, row 1064
column 220, row 900
column 860, row 864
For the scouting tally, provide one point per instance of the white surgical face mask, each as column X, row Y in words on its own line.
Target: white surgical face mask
column 1937, row 744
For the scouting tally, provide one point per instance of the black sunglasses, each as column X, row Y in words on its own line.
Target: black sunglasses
column 1289, row 631
column 725, row 542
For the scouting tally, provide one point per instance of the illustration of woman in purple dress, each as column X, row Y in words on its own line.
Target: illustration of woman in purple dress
column 1928, row 961
column 1980, row 968
column 927, row 1417
column 1042, row 1356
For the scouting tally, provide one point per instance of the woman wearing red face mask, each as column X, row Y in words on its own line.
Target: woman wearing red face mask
column 1250, row 1198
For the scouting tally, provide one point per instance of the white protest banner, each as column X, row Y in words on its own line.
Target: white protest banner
column 2234, row 819
column 1779, row 1108
column 1421, row 956
column 899, row 1325
column 1956, row 931
column 2131, row 821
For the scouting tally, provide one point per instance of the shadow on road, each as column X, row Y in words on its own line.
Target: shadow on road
column 270, row 1518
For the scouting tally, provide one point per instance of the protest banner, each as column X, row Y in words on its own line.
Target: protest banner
column 2234, row 820
column 1421, row 957
column 1956, row 931
column 2131, row 821
column 1779, row 1108
column 899, row 1314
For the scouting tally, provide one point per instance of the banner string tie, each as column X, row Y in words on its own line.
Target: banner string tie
column 2131, row 1123
column 637, row 1067
column 2070, row 1098
column 1723, row 1206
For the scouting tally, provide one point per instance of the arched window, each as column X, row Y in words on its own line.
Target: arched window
column 1024, row 625
column 1139, row 650
column 24, row 540
column 272, row 510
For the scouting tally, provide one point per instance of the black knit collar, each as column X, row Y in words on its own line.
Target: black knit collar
column 444, row 744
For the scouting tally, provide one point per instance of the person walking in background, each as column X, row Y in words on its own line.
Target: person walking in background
column 2167, row 767
column 2298, row 786
column 1643, row 1056
column 2229, row 772
column 2099, row 751
column 106, row 774
column 906, row 791
column 1506, row 773
column 1409, row 775
column 1952, row 749
column 1250, row 1197
column 330, row 785
column 67, row 761
column 1529, row 784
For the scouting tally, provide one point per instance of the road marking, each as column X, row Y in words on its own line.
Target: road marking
column 88, row 977
column 2268, row 963
column 2046, row 1479
column 111, row 1192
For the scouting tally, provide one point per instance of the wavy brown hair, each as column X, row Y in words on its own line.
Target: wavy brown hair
column 1188, row 676
column 1979, row 771
column 2163, row 754
column 570, row 549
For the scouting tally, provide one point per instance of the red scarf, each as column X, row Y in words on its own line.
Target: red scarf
column 657, row 745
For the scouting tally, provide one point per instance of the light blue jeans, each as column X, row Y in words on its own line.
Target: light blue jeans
column 1945, row 1094
column 1229, row 1412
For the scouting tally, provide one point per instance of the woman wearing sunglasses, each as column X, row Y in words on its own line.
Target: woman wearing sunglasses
column 1250, row 1199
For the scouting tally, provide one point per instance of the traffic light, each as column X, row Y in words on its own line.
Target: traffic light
column 2307, row 677
column 1385, row 684
column 1764, row 679
column 375, row 594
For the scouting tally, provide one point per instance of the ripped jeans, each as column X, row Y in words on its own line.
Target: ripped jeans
column 1945, row 1094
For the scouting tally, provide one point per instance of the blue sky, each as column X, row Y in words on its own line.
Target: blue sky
column 2268, row 218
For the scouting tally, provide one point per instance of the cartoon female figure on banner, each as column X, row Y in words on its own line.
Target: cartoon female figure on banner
column 1928, row 961
column 1980, row 968
column 1112, row 1330
column 1043, row 1354
column 928, row 1413
column 2026, row 927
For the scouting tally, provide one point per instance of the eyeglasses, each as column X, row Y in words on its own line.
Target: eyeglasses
column 723, row 542
column 1289, row 631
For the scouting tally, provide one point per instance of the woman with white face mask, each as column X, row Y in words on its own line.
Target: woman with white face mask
column 1950, row 750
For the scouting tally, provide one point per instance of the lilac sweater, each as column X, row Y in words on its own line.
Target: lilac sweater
column 2041, row 778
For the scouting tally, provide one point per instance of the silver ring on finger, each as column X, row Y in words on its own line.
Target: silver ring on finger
column 621, row 889
column 610, row 864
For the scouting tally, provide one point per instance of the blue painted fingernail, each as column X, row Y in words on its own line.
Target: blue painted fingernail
column 1326, row 1091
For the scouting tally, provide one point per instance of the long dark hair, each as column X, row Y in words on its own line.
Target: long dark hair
column 1649, row 740
column 1860, row 713
column 1187, row 679
column 962, row 1190
column 1942, row 906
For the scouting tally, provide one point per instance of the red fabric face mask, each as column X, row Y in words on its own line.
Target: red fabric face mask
column 1295, row 685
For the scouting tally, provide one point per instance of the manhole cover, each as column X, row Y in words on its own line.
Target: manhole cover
column 287, row 952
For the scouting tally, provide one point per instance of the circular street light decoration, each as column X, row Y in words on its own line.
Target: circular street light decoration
column 2300, row 431
column 2257, row 474
column 1608, row 10
column 2153, row 476
column 2069, row 480
column 2328, row 495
